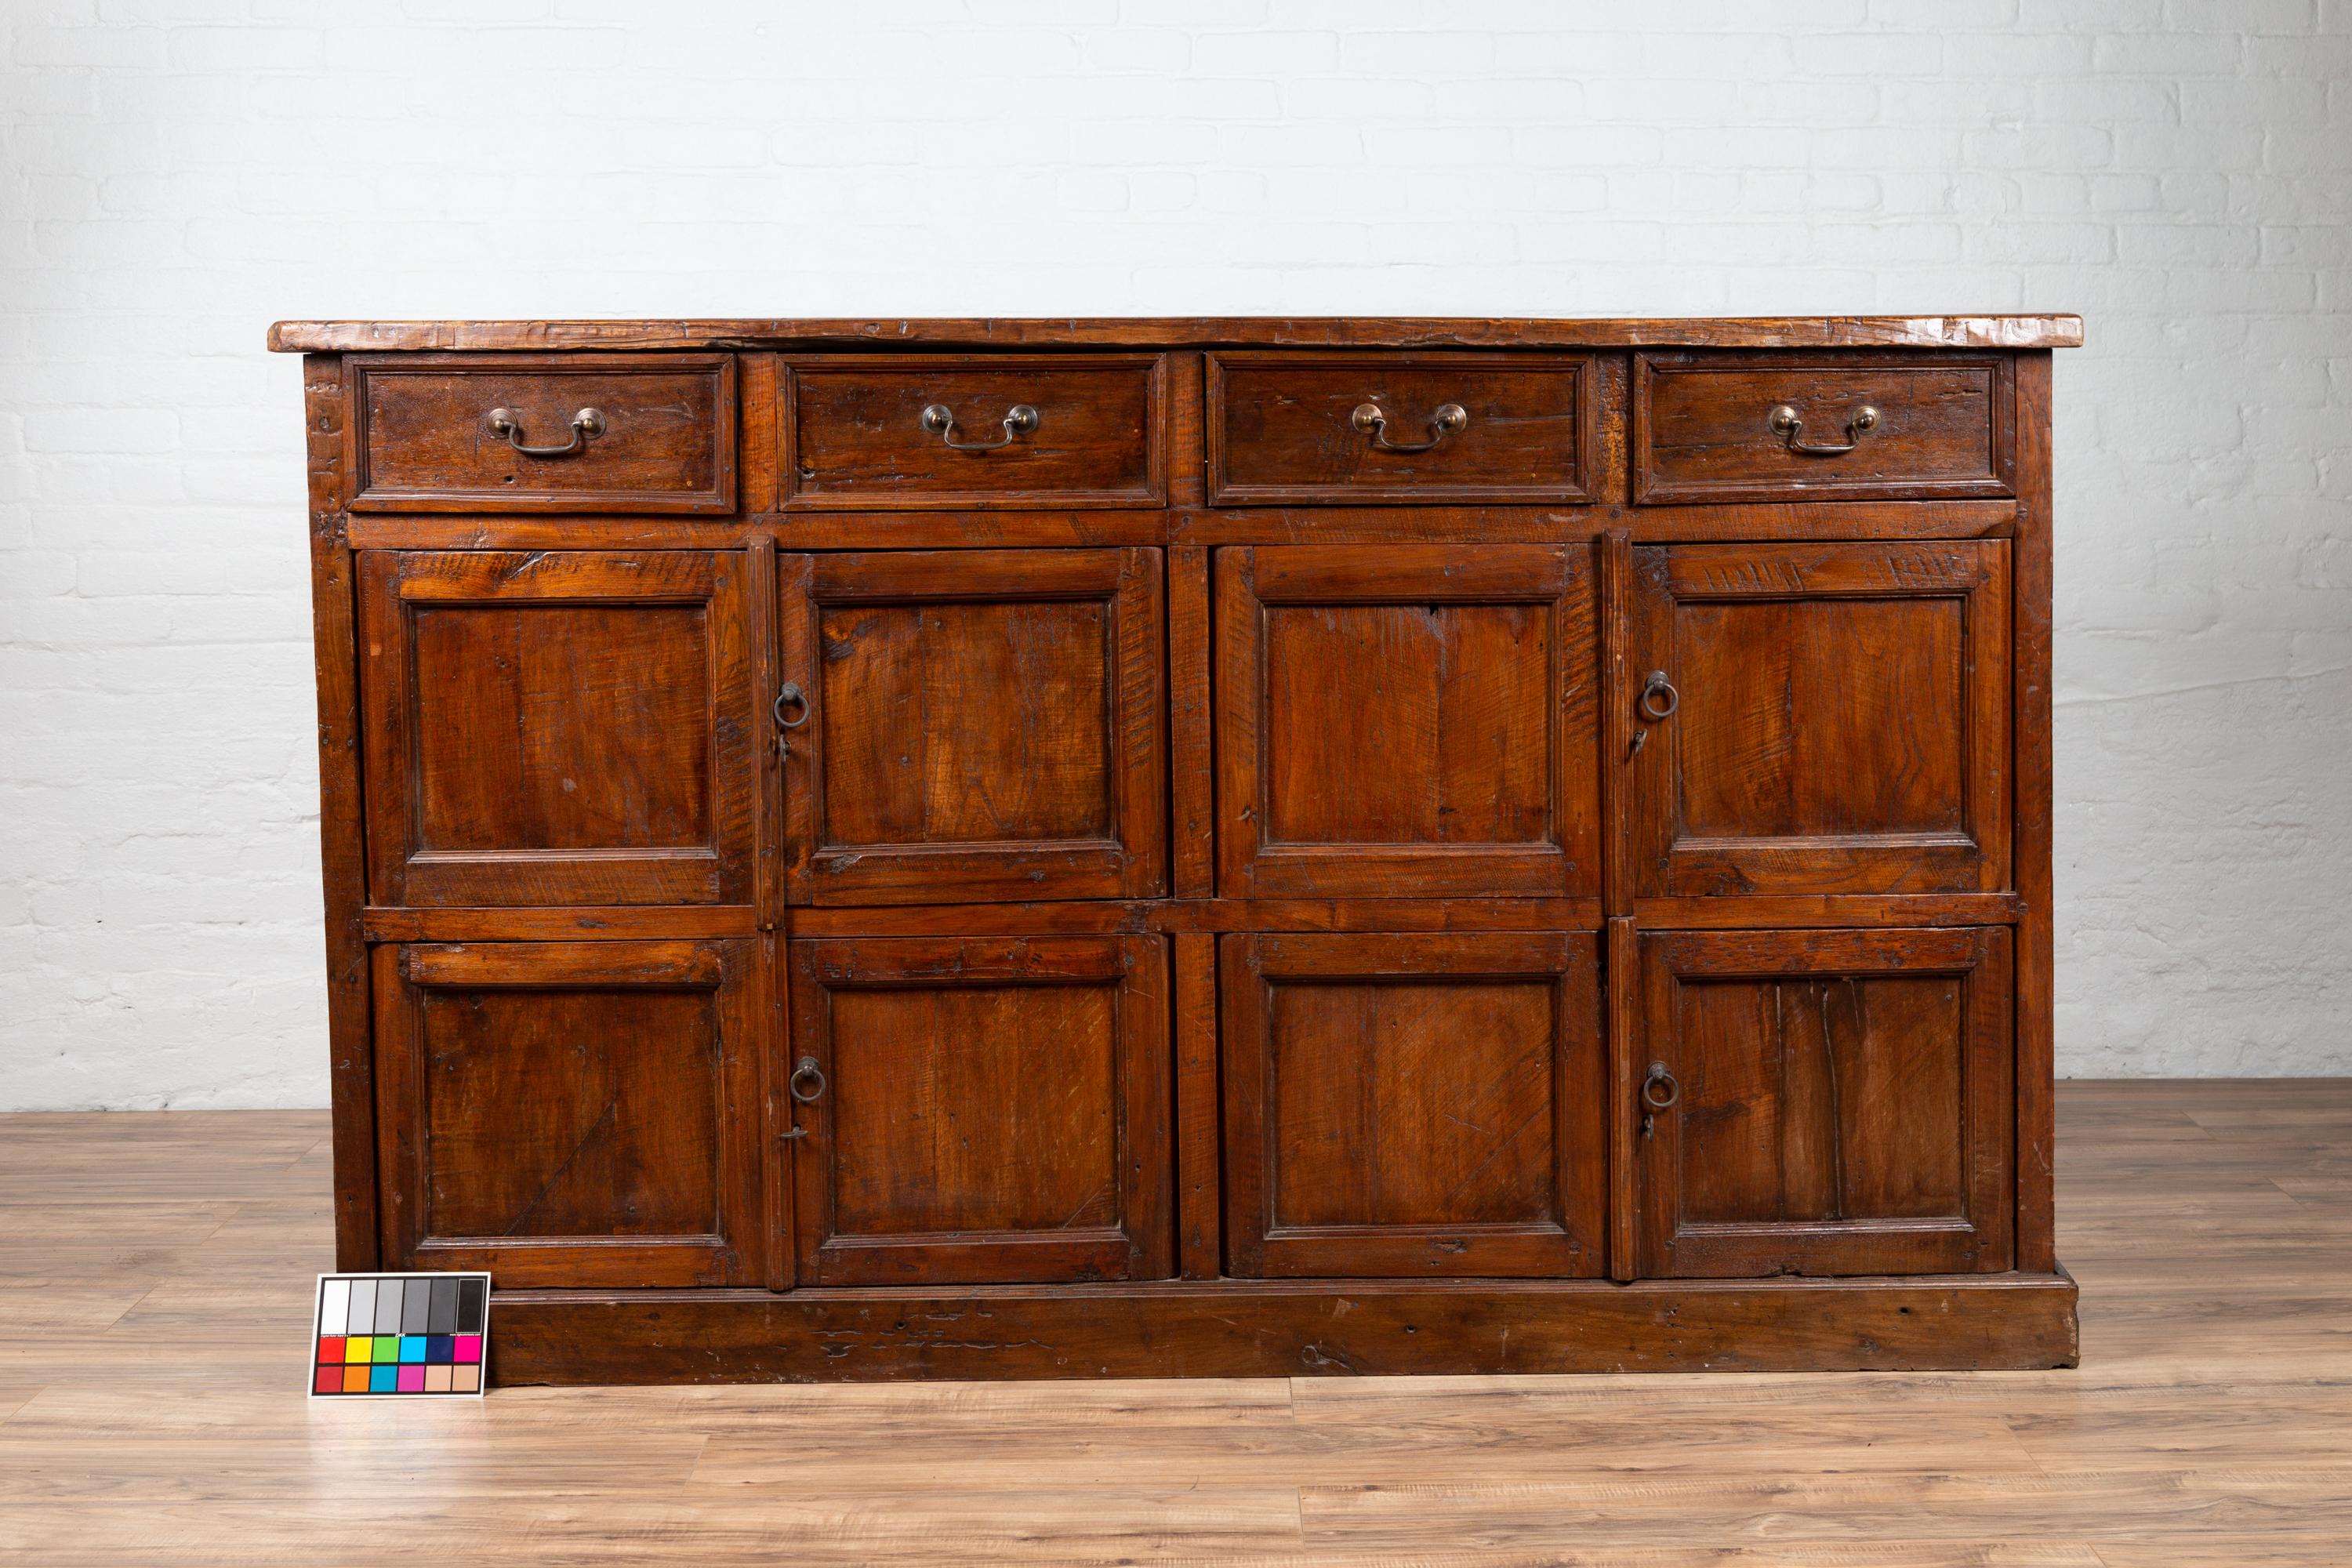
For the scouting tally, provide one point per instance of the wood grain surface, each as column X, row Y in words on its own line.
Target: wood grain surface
column 2046, row 332
column 153, row 1293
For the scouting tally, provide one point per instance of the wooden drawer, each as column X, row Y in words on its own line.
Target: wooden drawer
column 1291, row 429
column 1859, row 426
column 863, row 433
column 642, row 433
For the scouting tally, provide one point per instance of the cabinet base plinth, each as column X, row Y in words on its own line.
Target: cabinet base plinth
column 1286, row 1329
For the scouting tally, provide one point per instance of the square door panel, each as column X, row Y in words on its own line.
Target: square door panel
column 1839, row 718
column 538, row 433
column 1413, row 722
column 571, row 1113
column 1835, row 1102
column 1288, row 429
column 982, row 1111
column 557, row 726
column 1413, row 1106
column 859, row 432
column 973, row 724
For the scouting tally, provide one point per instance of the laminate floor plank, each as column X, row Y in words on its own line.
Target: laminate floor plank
column 154, row 1320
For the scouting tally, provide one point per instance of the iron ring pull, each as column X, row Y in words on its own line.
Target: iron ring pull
column 1649, row 705
column 1788, row 426
column 940, row 420
column 806, row 1068
column 1450, row 419
column 1659, row 1075
column 791, row 693
column 588, row 421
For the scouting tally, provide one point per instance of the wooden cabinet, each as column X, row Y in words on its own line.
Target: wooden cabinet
column 1826, row 1102
column 1414, row 1106
column 1222, row 847
column 981, row 1111
column 972, row 724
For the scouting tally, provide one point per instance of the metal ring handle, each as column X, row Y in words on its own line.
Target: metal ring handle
column 588, row 421
column 1788, row 426
column 1651, row 687
column 806, row 1068
column 1450, row 418
column 940, row 420
column 1659, row 1075
column 791, row 693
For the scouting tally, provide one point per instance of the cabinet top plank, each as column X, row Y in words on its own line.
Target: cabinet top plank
column 2013, row 331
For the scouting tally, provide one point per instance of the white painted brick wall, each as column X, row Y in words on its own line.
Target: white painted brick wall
column 178, row 173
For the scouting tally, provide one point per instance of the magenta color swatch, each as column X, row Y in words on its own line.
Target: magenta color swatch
column 469, row 1348
column 412, row 1379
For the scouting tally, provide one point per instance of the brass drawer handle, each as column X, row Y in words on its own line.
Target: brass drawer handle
column 1450, row 419
column 1788, row 426
column 940, row 420
column 588, row 421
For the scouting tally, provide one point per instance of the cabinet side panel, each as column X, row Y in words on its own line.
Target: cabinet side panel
column 341, row 844
column 2033, row 585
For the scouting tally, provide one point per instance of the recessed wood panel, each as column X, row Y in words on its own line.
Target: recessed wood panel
column 1837, row 1103
column 1415, row 722
column 1839, row 719
column 423, row 437
column 1936, row 426
column 982, row 1111
column 974, row 724
column 1282, row 428
column 1413, row 1106
column 955, row 722
column 563, row 727
column 556, row 728
column 571, row 1113
column 854, row 435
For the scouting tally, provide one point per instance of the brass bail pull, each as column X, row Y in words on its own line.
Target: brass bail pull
column 1450, row 419
column 940, row 420
column 1789, row 428
column 588, row 421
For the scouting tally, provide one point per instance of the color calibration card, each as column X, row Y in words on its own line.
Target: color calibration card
column 400, row 1335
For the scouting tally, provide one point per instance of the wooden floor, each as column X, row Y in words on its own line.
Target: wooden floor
column 156, row 1280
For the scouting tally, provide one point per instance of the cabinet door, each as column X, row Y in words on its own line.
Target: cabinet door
column 1835, row 1102
column 571, row 1114
column 1406, row 722
column 557, row 726
column 1839, row 718
column 981, row 1111
column 1413, row 1106
column 973, row 724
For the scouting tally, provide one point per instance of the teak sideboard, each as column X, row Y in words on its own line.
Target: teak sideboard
column 1143, row 848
